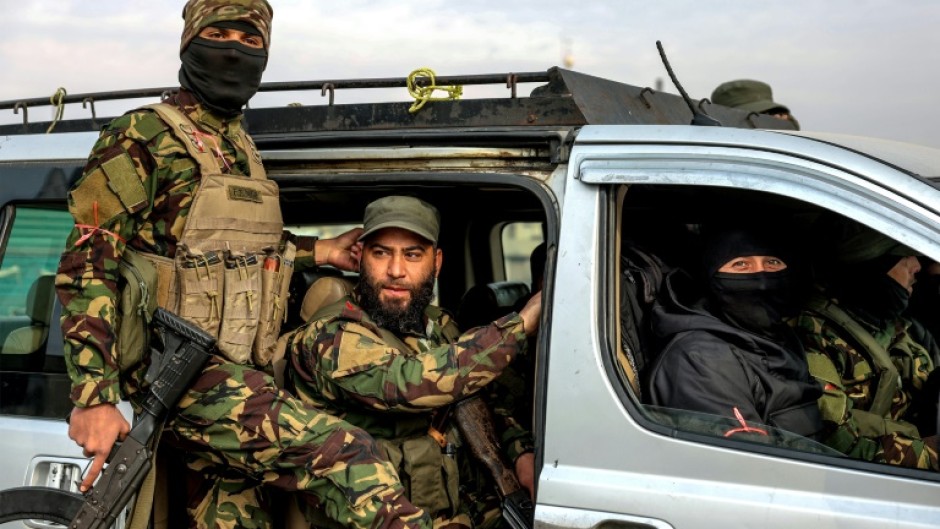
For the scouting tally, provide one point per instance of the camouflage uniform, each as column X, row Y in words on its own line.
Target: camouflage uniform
column 399, row 387
column 233, row 419
column 851, row 378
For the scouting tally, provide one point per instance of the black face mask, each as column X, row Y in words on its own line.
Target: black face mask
column 868, row 289
column 223, row 75
column 882, row 298
column 758, row 302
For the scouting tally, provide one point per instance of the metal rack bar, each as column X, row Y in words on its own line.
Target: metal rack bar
column 509, row 79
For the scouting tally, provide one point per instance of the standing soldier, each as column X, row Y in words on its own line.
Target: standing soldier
column 178, row 187
column 389, row 361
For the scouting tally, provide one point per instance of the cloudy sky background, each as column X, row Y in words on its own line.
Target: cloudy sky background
column 865, row 67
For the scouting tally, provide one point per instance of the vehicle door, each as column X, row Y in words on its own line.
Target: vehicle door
column 609, row 458
column 35, row 175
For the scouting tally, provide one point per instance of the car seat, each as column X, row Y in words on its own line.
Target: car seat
column 488, row 302
column 24, row 347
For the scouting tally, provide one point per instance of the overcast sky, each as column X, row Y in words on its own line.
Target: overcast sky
column 864, row 67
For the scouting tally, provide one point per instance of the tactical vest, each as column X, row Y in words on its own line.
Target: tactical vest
column 230, row 275
column 883, row 364
column 424, row 456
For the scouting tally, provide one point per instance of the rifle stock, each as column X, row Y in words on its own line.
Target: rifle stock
column 186, row 349
column 475, row 423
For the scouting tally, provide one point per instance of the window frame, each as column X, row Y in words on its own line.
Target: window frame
column 52, row 372
column 851, row 195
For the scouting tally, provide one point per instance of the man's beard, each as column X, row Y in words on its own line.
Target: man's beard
column 395, row 318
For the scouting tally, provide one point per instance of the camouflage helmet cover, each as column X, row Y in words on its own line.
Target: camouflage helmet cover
column 198, row 14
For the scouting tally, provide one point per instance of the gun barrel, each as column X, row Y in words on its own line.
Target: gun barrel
column 475, row 423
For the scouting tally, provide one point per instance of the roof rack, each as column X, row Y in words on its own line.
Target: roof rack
column 566, row 99
column 511, row 80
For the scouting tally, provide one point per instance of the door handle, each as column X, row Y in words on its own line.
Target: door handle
column 57, row 472
column 65, row 476
column 64, row 473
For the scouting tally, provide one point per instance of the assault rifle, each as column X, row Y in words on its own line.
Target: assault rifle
column 475, row 423
column 185, row 350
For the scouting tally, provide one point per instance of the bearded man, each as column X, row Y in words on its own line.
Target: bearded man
column 389, row 362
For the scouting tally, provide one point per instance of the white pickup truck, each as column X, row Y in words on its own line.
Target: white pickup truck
column 586, row 165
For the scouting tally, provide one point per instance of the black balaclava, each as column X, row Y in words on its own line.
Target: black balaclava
column 223, row 75
column 867, row 288
column 756, row 302
column 856, row 269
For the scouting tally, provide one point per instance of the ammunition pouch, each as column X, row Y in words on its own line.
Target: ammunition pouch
column 275, row 285
column 137, row 301
column 239, row 299
column 429, row 475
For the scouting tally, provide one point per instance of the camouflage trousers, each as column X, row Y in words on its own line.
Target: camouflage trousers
column 234, row 421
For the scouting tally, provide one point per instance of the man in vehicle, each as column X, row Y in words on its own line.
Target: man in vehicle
column 387, row 360
column 926, row 297
column 752, row 96
column 729, row 350
column 182, row 185
column 874, row 363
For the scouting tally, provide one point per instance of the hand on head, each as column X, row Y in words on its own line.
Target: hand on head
column 342, row 251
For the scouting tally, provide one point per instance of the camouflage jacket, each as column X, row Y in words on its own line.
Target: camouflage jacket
column 850, row 379
column 344, row 365
column 143, row 146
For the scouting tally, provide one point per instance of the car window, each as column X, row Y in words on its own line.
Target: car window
column 660, row 236
column 518, row 239
column 32, row 366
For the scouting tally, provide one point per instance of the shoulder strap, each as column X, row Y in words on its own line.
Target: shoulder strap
column 449, row 329
column 331, row 311
column 888, row 379
column 392, row 340
column 182, row 128
column 255, row 166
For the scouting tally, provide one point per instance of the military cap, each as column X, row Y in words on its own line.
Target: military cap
column 199, row 14
column 853, row 243
column 747, row 94
column 407, row 213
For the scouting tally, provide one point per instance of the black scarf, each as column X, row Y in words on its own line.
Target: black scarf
column 223, row 75
column 758, row 302
column 867, row 288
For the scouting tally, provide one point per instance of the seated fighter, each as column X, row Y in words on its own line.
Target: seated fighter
column 388, row 361
column 730, row 352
